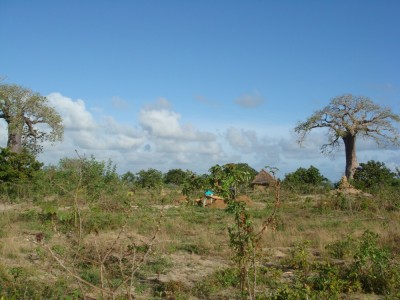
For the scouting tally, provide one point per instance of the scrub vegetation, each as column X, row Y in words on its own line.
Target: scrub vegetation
column 78, row 230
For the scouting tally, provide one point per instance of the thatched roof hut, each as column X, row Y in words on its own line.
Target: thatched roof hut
column 263, row 179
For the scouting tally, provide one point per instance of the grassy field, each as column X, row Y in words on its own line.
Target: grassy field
column 155, row 245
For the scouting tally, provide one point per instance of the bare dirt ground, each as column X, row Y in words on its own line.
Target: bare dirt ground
column 7, row 207
column 190, row 268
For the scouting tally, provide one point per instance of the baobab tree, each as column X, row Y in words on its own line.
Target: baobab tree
column 348, row 117
column 30, row 120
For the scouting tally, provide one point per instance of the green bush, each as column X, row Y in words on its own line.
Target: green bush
column 306, row 181
column 17, row 171
column 372, row 267
column 373, row 176
column 150, row 179
column 17, row 167
column 91, row 178
column 175, row 176
column 341, row 248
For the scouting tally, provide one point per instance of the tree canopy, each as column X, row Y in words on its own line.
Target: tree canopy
column 150, row 178
column 305, row 180
column 30, row 120
column 176, row 176
column 347, row 117
column 374, row 175
column 17, row 167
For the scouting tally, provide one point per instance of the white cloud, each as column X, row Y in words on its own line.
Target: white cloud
column 179, row 144
column 158, row 139
column 74, row 113
column 242, row 140
column 161, row 122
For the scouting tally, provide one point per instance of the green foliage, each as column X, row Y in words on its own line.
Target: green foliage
column 91, row 275
column 300, row 256
column 98, row 220
column 194, row 184
column 18, row 283
column 129, row 179
column 24, row 110
column 305, row 180
column 340, row 249
column 149, row 179
column 17, row 167
column 245, row 168
column 389, row 198
column 228, row 277
column 328, row 282
column 346, row 202
column 18, row 174
column 347, row 117
column 158, row 265
column 176, row 176
column 243, row 242
column 372, row 267
column 226, row 180
column 374, row 175
column 91, row 176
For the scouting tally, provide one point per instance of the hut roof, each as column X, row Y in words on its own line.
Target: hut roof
column 263, row 178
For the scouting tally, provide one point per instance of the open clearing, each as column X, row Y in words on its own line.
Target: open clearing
column 180, row 251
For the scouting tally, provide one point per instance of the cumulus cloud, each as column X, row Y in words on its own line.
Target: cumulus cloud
column 250, row 100
column 242, row 140
column 74, row 113
column 161, row 122
column 158, row 139
column 83, row 133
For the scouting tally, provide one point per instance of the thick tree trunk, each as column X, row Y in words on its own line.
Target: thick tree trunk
column 14, row 142
column 351, row 157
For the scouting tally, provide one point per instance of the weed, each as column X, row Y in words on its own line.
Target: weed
column 172, row 290
column 341, row 248
column 29, row 215
column 157, row 266
column 59, row 250
column 300, row 256
column 227, row 277
column 372, row 267
column 328, row 280
column 192, row 248
column 91, row 275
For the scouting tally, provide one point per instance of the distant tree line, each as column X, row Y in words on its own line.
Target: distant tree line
column 31, row 121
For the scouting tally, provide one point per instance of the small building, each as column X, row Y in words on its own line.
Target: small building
column 263, row 180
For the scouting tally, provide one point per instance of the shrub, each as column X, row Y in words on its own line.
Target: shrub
column 372, row 267
column 305, row 180
column 16, row 171
column 149, row 179
column 17, row 167
column 341, row 248
column 91, row 176
column 374, row 175
column 175, row 176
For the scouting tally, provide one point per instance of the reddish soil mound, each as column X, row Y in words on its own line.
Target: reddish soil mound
column 245, row 199
column 218, row 203
column 180, row 199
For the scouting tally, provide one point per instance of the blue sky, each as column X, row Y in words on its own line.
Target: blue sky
column 189, row 84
